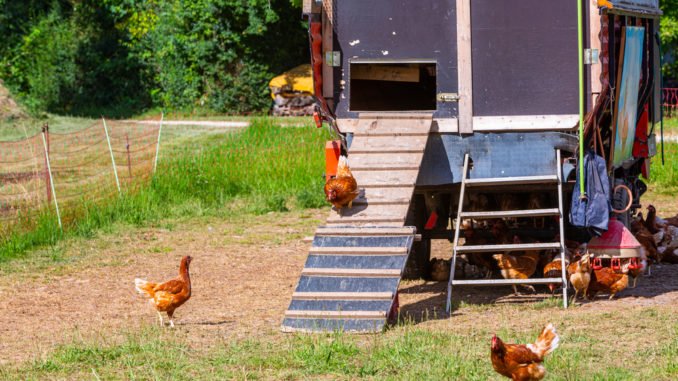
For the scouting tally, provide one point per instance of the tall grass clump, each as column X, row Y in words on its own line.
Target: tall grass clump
column 264, row 168
column 664, row 178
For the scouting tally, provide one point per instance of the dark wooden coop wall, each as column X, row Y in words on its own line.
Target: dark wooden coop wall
column 524, row 57
column 397, row 30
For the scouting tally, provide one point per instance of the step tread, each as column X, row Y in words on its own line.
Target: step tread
column 359, row 250
column 498, row 282
column 509, row 247
column 364, row 231
column 342, row 295
column 312, row 271
column 335, row 314
column 512, row 213
column 512, row 180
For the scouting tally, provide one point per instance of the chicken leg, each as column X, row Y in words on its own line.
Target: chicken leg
column 162, row 324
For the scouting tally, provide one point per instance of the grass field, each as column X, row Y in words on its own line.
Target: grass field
column 240, row 202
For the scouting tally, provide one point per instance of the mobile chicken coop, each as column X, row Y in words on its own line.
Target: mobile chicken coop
column 445, row 107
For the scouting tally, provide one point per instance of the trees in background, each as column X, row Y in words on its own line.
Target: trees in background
column 669, row 37
column 120, row 57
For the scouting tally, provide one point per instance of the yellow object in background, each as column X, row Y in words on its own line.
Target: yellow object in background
column 296, row 80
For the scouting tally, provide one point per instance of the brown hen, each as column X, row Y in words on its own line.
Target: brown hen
column 341, row 190
column 521, row 362
column 170, row 295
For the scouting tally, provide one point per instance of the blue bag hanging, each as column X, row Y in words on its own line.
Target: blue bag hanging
column 593, row 211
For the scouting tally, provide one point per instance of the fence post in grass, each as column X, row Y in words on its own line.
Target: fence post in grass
column 51, row 179
column 129, row 159
column 110, row 149
column 157, row 147
column 48, row 182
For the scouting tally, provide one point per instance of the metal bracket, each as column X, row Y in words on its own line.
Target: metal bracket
column 333, row 58
column 591, row 56
column 448, row 97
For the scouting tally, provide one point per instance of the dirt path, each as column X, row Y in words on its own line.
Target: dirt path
column 243, row 279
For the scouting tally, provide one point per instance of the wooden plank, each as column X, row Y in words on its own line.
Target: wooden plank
column 395, row 115
column 374, row 144
column 366, row 219
column 336, row 314
column 382, row 194
column 342, row 295
column 365, row 201
column 512, row 213
column 386, row 167
column 369, row 210
column 510, row 247
column 464, row 66
column 397, row 127
column 399, row 73
column 525, row 122
column 594, row 43
column 387, row 178
column 380, row 159
column 373, row 273
column 358, row 250
column 365, row 231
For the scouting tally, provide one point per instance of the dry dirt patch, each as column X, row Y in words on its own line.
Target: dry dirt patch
column 244, row 272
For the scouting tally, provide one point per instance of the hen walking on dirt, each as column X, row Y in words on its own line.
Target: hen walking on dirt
column 168, row 296
column 342, row 189
column 523, row 362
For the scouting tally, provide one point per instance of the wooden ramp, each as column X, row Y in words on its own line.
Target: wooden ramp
column 353, row 270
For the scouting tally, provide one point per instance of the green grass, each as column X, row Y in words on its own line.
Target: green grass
column 670, row 125
column 664, row 178
column 407, row 353
column 263, row 168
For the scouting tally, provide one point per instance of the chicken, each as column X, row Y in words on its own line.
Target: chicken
column 636, row 272
column 521, row 362
column 579, row 273
column 646, row 239
column 341, row 190
column 537, row 200
column 170, row 295
column 440, row 269
column 607, row 280
column 481, row 260
column 516, row 265
column 651, row 222
column 554, row 269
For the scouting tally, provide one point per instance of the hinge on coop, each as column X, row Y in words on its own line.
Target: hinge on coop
column 333, row 58
column 447, row 97
column 591, row 56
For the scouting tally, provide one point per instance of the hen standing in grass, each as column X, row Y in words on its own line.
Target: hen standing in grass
column 168, row 296
column 579, row 273
column 341, row 190
column 523, row 362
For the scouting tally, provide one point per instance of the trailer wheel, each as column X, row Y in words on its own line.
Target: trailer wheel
column 419, row 263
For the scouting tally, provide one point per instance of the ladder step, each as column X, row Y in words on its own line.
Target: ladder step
column 512, row 213
column 510, row 247
column 364, row 231
column 336, row 314
column 359, row 250
column 364, row 201
column 342, row 295
column 351, row 272
column 499, row 282
column 365, row 219
column 512, row 180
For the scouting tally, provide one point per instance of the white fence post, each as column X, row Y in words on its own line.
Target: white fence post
column 157, row 147
column 51, row 179
column 110, row 149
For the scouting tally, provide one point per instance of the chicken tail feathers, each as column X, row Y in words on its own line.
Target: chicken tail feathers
column 342, row 167
column 547, row 341
column 143, row 287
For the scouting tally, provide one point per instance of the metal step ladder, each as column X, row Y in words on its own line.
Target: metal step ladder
column 467, row 182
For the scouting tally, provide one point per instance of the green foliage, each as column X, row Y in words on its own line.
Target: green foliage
column 669, row 37
column 119, row 57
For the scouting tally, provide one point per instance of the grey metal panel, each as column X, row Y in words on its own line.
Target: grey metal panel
column 347, row 325
column 348, row 241
column 651, row 6
column 356, row 261
column 393, row 30
column 524, row 57
column 341, row 305
column 346, row 284
column 494, row 155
